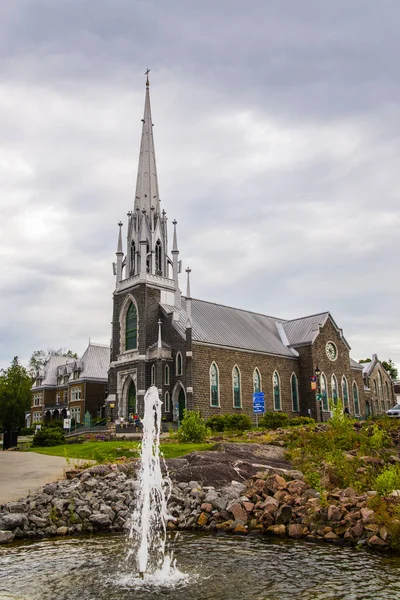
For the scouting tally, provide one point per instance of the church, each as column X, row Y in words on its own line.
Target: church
column 210, row 357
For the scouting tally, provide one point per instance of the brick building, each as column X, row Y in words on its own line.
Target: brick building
column 379, row 389
column 67, row 387
column 207, row 356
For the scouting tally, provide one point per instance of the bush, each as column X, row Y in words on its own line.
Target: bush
column 274, row 420
column 297, row 421
column 28, row 430
column 48, row 436
column 57, row 424
column 388, row 481
column 193, row 428
column 228, row 422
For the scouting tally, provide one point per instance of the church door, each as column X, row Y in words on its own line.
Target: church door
column 131, row 402
column 182, row 403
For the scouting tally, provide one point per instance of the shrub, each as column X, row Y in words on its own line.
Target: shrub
column 27, row 430
column 297, row 421
column 274, row 420
column 48, row 436
column 193, row 428
column 228, row 422
column 56, row 424
column 388, row 481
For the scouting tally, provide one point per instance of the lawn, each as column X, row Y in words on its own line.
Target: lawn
column 101, row 451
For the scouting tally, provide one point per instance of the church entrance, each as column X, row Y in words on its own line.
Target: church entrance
column 182, row 403
column 131, row 402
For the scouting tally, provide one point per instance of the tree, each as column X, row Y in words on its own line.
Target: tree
column 15, row 395
column 40, row 357
column 391, row 368
column 364, row 360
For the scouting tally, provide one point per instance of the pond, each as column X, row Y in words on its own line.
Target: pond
column 216, row 568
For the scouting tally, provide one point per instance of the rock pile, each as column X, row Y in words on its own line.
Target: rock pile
column 100, row 499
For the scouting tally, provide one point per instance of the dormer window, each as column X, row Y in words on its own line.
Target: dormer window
column 59, row 380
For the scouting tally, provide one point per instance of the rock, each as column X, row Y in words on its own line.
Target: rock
column 226, row 525
column 331, row 537
column 206, row 507
column 376, row 542
column 277, row 530
column 270, row 505
column 100, row 519
column 6, row 537
column 274, row 483
column 238, row 512
column 17, row 507
column 62, row 530
column 297, row 530
column 294, row 474
column 371, row 527
column 349, row 492
column 357, row 530
column 266, row 519
column 309, row 494
column 367, row 515
column 84, row 512
column 297, row 487
column 334, row 513
column 241, row 529
column 202, row 520
column 284, row 515
column 248, row 506
column 38, row 521
column 383, row 533
column 12, row 520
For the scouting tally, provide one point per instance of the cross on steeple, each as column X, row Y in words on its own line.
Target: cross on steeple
column 147, row 77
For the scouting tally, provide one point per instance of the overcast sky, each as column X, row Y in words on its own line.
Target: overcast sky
column 277, row 145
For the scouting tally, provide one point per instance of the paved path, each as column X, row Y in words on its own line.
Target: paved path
column 24, row 472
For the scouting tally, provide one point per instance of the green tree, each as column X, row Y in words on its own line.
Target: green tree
column 391, row 368
column 15, row 395
column 364, row 360
column 40, row 357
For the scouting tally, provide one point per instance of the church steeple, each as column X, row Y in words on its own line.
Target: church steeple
column 147, row 184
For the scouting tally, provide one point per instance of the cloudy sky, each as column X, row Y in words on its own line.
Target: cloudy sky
column 277, row 142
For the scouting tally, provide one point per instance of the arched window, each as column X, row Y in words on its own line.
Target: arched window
column 153, row 375
column 166, row 375
column 345, row 393
column 148, row 258
column 375, row 387
column 387, row 394
column 179, row 364
column 334, row 387
column 237, row 400
column 356, row 401
column 214, row 385
column 131, row 328
column 380, row 391
column 158, row 258
column 324, row 392
column 276, row 382
column 295, row 393
column 256, row 381
column 132, row 257
column 167, row 404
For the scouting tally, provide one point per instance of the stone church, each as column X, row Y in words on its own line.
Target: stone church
column 207, row 356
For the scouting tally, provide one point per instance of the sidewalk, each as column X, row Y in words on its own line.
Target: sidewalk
column 24, row 472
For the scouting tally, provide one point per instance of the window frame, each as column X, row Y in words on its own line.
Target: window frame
column 324, row 393
column 167, row 402
column 357, row 413
column 293, row 375
column 178, row 364
column 235, row 391
column 218, row 405
column 134, row 335
column 257, row 371
column 167, row 375
column 274, row 396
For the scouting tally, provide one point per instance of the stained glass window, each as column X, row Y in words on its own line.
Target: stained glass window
column 256, row 381
column 345, row 393
column 295, row 393
column 131, row 328
column 355, row 398
column 324, row 393
column 334, row 390
column 214, row 385
column 277, row 391
column 237, row 403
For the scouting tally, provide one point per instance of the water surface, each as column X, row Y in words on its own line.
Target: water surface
column 217, row 568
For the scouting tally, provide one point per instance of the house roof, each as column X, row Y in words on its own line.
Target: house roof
column 50, row 371
column 96, row 362
column 232, row 327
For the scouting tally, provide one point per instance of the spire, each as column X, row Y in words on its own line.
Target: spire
column 120, row 255
column 147, row 183
column 159, row 343
column 188, row 301
column 188, row 271
column 175, row 243
column 119, row 246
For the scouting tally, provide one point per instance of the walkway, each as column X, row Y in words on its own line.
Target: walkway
column 24, row 472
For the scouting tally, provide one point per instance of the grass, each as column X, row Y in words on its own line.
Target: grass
column 110, row 451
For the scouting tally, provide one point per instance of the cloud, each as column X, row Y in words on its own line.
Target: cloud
column 276, row 131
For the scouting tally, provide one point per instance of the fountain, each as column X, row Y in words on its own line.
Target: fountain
column 148, row 529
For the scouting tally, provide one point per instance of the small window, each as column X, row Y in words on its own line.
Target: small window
column 237, row 401
column 131, row 328
column 166, row 375
column 214, row 385
column 356, row 401
column 256, row 381
column 277, row 390
column 153, row 375
column 167, row 406
column 179, row 364
column 295, row 393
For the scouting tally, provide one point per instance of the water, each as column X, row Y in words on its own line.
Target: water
column 147, row 558
column 217, row 568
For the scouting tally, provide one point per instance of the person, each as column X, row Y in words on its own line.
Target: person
column 346, row 411
column 136, row 420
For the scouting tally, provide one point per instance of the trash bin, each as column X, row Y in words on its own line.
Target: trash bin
column 10, row 439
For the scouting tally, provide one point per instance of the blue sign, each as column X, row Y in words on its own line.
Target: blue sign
column 258, row 403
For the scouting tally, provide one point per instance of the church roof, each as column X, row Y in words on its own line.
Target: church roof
column 232, row 327
column 356, row 365
column 305, row 329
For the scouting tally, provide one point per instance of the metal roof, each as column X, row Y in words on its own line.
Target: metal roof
column 356, row 365
column 96, row 362
column 304, row 330
column 232, row 327
column 51, row 370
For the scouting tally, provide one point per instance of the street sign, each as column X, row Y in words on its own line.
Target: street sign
column 258, row 403
column 67, row 423
column 319, row 397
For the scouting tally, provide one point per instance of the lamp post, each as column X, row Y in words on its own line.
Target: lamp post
column 318, row 397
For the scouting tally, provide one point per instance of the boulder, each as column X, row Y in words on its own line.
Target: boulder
column 6, row 537
column 297, row 530
column 12, row 520
column 331, row 537
column 238, row 512
column 334, row 513
column 376, row 542
column 100, row 519
column 297, row 487
column 284, row 515
column 274, row 483
column 203, row 519
column 277, row 530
